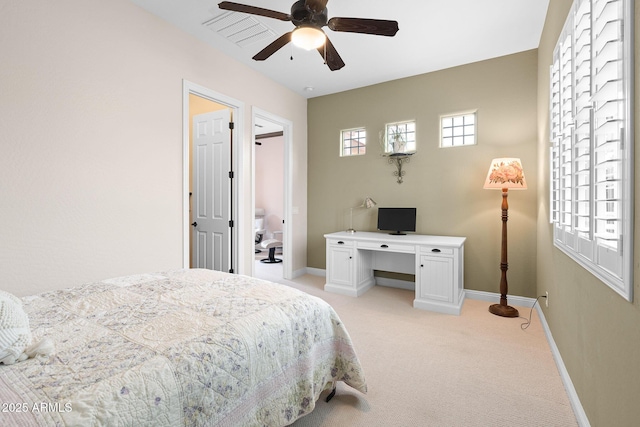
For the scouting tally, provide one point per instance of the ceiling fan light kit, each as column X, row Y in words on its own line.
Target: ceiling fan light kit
column 309, row 16
column 308, row 38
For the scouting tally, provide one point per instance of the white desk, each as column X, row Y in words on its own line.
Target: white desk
column 436, row 261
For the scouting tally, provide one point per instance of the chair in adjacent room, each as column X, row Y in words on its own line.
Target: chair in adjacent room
column 259, row 229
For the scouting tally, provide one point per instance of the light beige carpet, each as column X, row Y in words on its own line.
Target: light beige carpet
column 430, row 369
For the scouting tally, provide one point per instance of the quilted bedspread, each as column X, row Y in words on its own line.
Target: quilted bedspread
column 185, row 347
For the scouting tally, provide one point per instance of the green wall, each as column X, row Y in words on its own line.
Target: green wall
column 444, row 184
column 596, row 331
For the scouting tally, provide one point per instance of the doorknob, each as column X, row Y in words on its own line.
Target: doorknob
column 195, row 224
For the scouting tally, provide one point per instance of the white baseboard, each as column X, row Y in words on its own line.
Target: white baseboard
column 395, row 283
column 495, row 298
column 382, row 281
column 316, row 271
column 300, row 272
column 578, row 410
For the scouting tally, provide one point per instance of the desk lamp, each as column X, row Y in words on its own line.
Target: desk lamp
column 368, row 203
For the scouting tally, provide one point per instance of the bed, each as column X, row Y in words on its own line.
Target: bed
column 186, row 347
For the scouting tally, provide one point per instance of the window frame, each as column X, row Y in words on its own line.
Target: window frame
column 387, row 144
column 591, row 134
column 453, row 116
column 360, row 148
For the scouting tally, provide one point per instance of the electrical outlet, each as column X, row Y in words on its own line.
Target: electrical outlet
column 546, row 300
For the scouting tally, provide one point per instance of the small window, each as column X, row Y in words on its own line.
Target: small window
column 400, row 137
column 457, row 130
column 353, row 142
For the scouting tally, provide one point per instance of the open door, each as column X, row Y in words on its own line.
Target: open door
column 211, row 198
column 228, row 259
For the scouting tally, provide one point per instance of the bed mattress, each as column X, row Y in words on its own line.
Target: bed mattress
column 185, row 347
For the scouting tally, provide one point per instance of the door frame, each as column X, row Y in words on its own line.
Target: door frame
column 237, row 184
column 287, row 227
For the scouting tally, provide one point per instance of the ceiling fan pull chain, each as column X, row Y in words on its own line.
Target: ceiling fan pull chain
column 325, row 53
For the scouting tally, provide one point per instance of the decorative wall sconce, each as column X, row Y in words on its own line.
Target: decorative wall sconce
column 398, row 144
column 398, row 159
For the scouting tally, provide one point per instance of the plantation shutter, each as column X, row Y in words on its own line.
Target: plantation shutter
column 582, row 149
column 609, row 117
column 591, row 169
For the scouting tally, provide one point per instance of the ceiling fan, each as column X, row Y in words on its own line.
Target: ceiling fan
column 309, row 16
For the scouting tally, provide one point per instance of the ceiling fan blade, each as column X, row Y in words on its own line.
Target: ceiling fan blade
column 331, row 56
column 237, row 7
column 316, row 6
column 378, row 27
column 273, row 47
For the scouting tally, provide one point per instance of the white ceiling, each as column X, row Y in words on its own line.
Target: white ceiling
column 434, row 35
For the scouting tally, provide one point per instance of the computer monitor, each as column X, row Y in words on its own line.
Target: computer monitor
column 397, row 220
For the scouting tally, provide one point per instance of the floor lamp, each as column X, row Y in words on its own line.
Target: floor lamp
column 505, row 174
column 368, row 203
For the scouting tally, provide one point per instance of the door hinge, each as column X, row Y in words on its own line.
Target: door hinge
column 231, row 174
column 231, row 125
column 231, row 224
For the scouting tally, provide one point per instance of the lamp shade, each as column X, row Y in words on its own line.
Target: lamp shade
column 507, row 173
column 369, row 203
column 308, row 37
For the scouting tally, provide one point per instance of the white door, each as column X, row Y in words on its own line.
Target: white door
column 211, row 208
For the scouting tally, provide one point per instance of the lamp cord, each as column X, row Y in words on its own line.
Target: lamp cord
column 526, row 324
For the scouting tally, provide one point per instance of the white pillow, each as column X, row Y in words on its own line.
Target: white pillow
column 15, row 334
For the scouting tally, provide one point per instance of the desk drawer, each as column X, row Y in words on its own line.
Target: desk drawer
column 340, row 243
column 390, row 247
column 436, row 250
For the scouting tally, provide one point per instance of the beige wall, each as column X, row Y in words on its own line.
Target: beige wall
column 596, row 331
column 445, row 184
column 91, row 140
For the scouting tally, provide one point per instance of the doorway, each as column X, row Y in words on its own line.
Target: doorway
column 201, row 102
column 272, row 198
column 269, row 199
